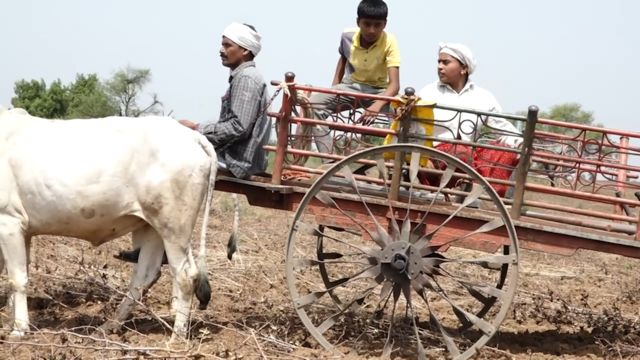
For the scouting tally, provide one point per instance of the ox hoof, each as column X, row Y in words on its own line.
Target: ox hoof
column 132, row 256
column 16, row 334
column 109, row 327
column 232, row 246
column 176, row 341
column 128, row 256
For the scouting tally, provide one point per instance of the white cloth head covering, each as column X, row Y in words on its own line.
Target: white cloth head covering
column 460, row 52
column 244, row 36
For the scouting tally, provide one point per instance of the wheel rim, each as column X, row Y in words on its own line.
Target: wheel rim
column 396, row 284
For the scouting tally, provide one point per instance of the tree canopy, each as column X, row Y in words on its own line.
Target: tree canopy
column 40, row 100
column 568, row 112
column 87, row 96
column 88, row 99
column 125, row 87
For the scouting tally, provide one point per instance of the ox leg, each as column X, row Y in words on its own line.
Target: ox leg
column 8, row 325
column 145, row 274
column 14, row 250
column 184, row 271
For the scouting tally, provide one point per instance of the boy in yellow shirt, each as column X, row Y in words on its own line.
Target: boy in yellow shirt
column 369, row 63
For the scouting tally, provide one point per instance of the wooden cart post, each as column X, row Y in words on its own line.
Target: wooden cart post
column 405, row 124
column 525, row 160
column 622, row 173
column 283, row 131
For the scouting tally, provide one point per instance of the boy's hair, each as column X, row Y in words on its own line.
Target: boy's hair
column 373, row 9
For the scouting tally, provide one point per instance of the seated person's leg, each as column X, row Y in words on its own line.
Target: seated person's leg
column 462, row 152
column 495, row 164
column 323, row 105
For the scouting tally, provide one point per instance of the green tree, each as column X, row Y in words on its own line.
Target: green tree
column 28, row 93
column 87, row 96
column 38, row 100
column 126, row 87
column 567, row 112
column 89, row 99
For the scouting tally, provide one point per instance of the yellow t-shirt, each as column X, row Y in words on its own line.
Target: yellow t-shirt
column 369, row 66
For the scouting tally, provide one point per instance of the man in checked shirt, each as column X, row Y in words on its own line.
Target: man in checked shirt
column 243, row 128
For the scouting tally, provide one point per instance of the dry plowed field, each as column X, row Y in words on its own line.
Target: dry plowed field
column 586, row 306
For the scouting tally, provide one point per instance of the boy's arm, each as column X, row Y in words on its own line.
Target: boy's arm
column 339, row 74
column 392, row 61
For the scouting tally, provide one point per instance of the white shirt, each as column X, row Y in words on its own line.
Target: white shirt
column 464, row 126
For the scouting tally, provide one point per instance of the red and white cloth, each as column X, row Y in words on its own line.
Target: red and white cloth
column 490, row 163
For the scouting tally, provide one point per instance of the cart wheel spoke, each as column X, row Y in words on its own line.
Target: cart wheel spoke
column 370, row 265
column 355, row 304
column 310, row 298
column 472, row 197
column 388, row 345
column 383, row 175
column 379, row 235
column 448, row 340
column 384, row 238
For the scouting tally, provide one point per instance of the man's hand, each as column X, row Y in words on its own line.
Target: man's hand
column 190, row 124
column 510, row 141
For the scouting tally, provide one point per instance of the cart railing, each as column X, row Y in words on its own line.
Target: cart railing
column 588, row 172
column 387, row 221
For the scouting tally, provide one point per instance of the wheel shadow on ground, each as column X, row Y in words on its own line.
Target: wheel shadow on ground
column 356, row 340
column 555, row 342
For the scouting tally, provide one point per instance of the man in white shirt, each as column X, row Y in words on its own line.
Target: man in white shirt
column 455, row 88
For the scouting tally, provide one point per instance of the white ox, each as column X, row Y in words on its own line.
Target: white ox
column 97, row 180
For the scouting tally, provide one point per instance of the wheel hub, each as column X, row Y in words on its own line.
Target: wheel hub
column 400, row 262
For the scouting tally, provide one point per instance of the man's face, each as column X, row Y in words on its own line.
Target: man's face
column 370, row 29
column 231, row 53
column 450, row 70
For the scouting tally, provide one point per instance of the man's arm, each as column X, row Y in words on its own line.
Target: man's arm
column 244, row 99
column 190, row 124
column 509, row 134
column 340, row 68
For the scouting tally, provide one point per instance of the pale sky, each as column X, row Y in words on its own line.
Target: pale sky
column 541, row 52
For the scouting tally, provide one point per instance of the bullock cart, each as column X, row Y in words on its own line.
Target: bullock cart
column 399, row 245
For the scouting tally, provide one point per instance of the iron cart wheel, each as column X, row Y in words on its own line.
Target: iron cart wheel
column 380, row 256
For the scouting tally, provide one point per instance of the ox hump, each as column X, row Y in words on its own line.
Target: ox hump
column 14, row 111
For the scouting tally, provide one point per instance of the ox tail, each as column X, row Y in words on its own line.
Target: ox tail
column 232, row 244
column 202, row 287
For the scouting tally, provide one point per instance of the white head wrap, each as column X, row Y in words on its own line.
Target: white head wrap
column 460, row 52
column 244, row 36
